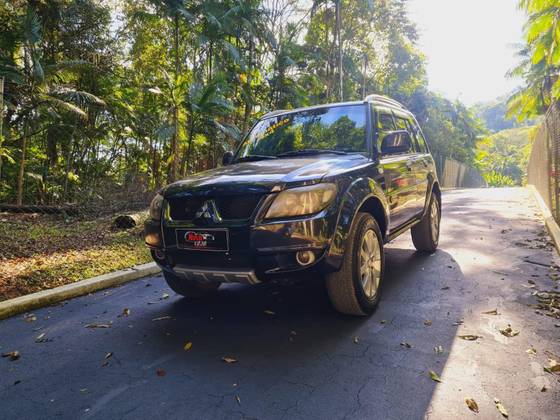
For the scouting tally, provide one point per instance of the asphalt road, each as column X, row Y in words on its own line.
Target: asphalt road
column 304, row 360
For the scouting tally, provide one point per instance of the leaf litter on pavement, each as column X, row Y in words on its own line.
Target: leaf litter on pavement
column 12, row 355
column 508, row 331
column 471, row 403
column 500, row 407
column 434, row 376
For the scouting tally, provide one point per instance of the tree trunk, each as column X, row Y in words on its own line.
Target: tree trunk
column 1, row 118
column 175, row 138
column 21, row 173
column 189, row 145
column 338, row 30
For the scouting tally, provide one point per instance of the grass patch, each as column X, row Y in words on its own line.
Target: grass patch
column 41, row 252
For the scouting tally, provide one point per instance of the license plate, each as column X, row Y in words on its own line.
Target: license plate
column 203, row 239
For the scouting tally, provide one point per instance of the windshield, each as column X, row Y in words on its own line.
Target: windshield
column 337, row 128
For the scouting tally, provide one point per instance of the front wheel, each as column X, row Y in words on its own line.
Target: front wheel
column 188, row 288
column 356, row 288
column 425, row 234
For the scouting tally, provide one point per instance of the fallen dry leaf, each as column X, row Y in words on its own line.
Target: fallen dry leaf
column 544, row 388
column 40, row 338
column 161, row 372
column 164, row 296
column 12, row 355
column 492, row 312
column 531, row 351
column 187, row 346
column 473, row 406
column 470, row 337
column 238, row 399
column 406, row 345
column 125, row 312
column 427, row 322
column 438, row 349
column 383, row 321
column 110, row 354
column 229, row 359
column 98, row 325
column 161, row 318
column 269, row 312
column 508, row 331
column 553, row 367
column 501, row 408
column 30, row 317
column 356, row 340
column 434, row 376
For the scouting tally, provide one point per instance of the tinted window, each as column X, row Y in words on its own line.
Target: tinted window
column 401, row 123
column 419, row 137
column 336, row 128
column 385, row 125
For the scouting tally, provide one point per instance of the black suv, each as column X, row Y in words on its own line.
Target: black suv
column 316, row 189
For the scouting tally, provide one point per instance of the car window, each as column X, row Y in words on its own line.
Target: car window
column 385, row 124
column 401, row 123
column 340, row 128
column 418, row 136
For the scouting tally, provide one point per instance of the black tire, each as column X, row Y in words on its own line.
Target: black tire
column 188, row 288
column 344, row 287
column 424, row 238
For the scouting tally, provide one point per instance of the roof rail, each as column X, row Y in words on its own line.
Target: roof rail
column 384, row 99
column 273, row 113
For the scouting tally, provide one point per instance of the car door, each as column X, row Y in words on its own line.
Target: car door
column 423, row 162
column 415, row 164
column 399, row 181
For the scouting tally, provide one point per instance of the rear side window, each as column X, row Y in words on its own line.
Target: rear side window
column 401, row 124
column 418, row 136
column 385, row 124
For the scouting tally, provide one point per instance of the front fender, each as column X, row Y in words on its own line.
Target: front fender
column 359, row 191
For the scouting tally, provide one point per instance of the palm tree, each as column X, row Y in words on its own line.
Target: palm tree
column 40, row 89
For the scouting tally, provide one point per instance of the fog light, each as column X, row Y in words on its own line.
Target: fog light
column 153, row 239
column 305, row 257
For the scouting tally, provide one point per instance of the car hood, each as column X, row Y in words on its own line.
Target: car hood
column 262, row 175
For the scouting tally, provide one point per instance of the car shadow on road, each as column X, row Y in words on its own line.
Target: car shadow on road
column 291, row 349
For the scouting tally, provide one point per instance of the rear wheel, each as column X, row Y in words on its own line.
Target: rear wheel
column 188, row 288
column 425, row 235
column 356, row 288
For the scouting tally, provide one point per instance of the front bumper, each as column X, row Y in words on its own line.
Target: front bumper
column 256, row 253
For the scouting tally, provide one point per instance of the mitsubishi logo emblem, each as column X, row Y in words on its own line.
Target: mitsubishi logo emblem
column 209, row 212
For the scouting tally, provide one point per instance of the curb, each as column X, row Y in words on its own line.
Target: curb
column 550, row 223
column 25, row 303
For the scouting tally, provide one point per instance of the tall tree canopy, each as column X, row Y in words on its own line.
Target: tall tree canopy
column 126, row 95
column 540, row 60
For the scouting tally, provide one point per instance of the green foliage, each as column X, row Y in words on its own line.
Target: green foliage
column 540, row 60
column 502, row 157
column 96, row 105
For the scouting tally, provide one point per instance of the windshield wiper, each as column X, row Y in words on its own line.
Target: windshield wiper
column 252, row 158
column 304, row 152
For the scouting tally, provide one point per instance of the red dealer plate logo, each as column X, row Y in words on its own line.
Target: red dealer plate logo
column 203, row 239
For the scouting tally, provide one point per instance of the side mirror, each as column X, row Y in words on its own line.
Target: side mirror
column 227, row 158
column 396, row 142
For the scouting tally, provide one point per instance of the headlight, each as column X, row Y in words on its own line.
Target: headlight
column 155, row 207
column 302, row 201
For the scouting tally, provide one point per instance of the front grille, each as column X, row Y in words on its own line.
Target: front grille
column 184, row 208
column 238, row 207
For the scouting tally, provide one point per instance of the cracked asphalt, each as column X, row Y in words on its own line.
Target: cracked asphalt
column 304, row 360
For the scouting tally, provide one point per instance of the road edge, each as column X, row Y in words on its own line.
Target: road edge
column 550, row 223
column 43, row 298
